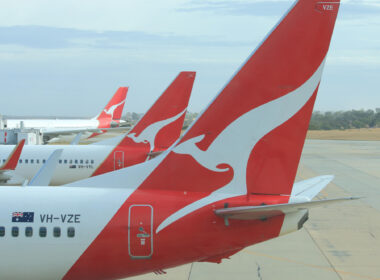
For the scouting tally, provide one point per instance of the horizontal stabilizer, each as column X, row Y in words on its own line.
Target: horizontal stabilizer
column 311, row 187
column 267, row 211
column 11, row 162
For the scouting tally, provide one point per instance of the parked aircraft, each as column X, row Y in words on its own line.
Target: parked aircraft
column 107, row 118
column 225, row 185
column 10, row 163
column 156, row 131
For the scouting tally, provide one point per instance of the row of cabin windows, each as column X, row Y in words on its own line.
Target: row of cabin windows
column 64, row 161
column 42, row 232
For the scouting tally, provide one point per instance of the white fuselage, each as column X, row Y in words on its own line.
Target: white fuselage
column 54, row 125
column 84, row 211
column 76, row 162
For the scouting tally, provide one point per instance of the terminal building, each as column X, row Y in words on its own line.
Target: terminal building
column 13, row 136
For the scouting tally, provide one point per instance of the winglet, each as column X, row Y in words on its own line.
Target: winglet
column 13, row 158
column 44, row 175
column 76, row 139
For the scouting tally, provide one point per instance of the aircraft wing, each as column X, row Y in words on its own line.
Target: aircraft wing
column 267, row 211
column 12, row 161
column 44, row 175
column 57, row 132
column 53, row 135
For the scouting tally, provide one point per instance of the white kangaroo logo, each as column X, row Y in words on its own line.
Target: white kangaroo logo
column 148, row 135
column 252, row 126
column 112, row 109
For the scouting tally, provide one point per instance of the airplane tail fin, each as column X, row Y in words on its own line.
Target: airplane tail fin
column 249, row 139
column 13, row 158
column 111, row 114
column 162, row 124
column 158, row 129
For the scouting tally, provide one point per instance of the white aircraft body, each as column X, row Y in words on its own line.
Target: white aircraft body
column 77, row 161
column 54, row 125
column 108, row 117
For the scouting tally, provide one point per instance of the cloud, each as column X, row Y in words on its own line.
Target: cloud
column 251, row 8
column 359, row 8
column 66, row 50
column 57, row 38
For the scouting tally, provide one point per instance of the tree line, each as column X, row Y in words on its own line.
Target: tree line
column 319, row 120
column 345, row 119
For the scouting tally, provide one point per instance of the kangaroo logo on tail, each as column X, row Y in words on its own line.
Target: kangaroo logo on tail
column 252, row 126
column 148, row 135
column 112, row 109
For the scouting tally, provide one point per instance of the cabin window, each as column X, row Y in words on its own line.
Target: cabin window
column 20, row 161
column 26, row 161
column 44, row 160
column 56, row 231
column 92, row 161
column 60, row 161
column 76, row 161
column 37, row 161
column 32, row 161
column 43, row 231
column 65, row 161
column 81, row 161
column 87, row 161
column 71, row 161
column 3, row 160
column 14, row 231
column 2, row 231
column 71, row 232
column 28, row 231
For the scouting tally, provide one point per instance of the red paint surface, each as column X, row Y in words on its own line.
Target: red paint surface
column 290, row 55
column 105, row 119
column 172, row 102
column 13, row 158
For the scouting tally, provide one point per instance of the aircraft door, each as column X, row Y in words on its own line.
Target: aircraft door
column 140, row 231
column 118, row 160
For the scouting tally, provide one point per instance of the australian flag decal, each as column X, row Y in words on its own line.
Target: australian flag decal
column 22, row 217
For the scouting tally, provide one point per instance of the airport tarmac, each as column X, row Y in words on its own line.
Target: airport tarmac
column 340, row 241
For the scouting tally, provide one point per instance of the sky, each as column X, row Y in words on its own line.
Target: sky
column 67, row 58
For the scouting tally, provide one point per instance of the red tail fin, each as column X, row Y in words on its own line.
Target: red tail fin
column 162, row 123
column 11, row 162
column 158, row 129
column 251, row 137
column 112, row 112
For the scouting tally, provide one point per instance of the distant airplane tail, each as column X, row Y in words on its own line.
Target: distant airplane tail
column 159, row 128
column 11, row 162
column 162, row 124
column 111, row 114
